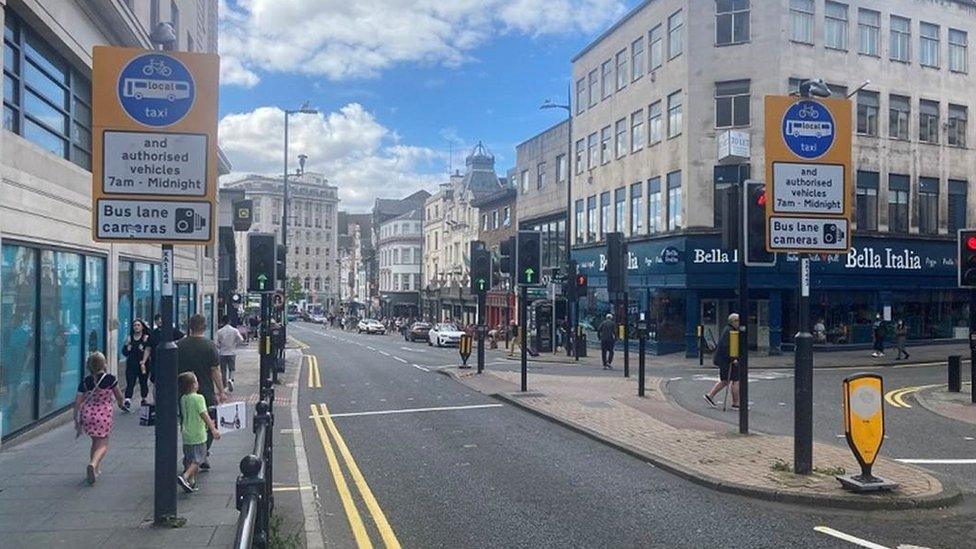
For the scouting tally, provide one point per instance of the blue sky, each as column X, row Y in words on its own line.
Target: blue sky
column 392, row 105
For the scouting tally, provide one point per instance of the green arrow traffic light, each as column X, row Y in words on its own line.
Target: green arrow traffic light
column 481, row 284
column 262, row 279
column 528, row 274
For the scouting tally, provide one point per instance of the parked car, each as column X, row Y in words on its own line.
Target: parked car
column 417, row 331
column 318, row 319
column 444, row 334
column 370, row 326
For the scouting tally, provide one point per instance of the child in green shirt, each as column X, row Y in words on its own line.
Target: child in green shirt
column 196, row 421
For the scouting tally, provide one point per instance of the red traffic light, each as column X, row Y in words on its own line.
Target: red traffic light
column 971, row 243
column 761, row 199
column 581, row 280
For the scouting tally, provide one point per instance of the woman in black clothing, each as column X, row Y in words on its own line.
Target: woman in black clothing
column 137, row 351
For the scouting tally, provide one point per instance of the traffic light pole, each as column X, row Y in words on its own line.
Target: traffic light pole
column 166, row 366
column 481, row 332
column 626, row 316
column 972, row 346
column 743, row 321
column 803, row 379
column 523, row 335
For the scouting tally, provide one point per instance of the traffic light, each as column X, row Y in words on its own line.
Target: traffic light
column 569, row 284
column 967, row 258
column 480, row 269
column 755, row 229
column 280, row 257
column 261, row 262
column 528, row 258
column 506, row 249
column 616, row 265
column 581, row 285
column 242, row 214
column 731, row 211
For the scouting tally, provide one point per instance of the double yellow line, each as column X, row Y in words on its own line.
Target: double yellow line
column 328, row 434
column 314, row 376
column 896, row 398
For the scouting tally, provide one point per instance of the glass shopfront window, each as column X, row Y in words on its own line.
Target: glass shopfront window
column 124, row 303
column 49, row 301
column 182, row 306
column 208, row 305
column 142, row 290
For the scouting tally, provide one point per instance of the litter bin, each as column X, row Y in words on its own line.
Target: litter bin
column 581, row 344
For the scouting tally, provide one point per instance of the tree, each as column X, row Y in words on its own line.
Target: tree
column 295, row 292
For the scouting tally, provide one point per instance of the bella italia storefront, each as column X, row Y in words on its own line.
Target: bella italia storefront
column 685, row 281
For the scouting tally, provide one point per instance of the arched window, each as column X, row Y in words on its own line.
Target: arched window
column 308, row 283
column 318, row 283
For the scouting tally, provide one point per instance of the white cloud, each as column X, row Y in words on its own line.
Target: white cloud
column 343, row 39
column 363, row 158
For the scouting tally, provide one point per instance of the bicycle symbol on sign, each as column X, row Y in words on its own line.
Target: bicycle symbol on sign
column 156, row 67
column 808, row 111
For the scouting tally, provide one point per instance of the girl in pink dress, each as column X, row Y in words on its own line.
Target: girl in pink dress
column 93, row 410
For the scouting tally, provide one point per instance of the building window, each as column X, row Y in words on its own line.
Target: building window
column 636, row 208
column 654, row 123
column 580, row 147
column 637, row 131
column 593, row 87
column 580, row 227
column 656, row 41
column 591, row 221
column 620, row 209
column 174, row 15
column 899, row 112
column 928, row 45
column 560, row 168
column 898, row 203
column 580, row 96
column 801, row 21
column 928, row 205
column 484, row 222
column 605, row 138
column 731, row 22
column 675, row 45
column 674, row 201
column 606, row 79
column 44, row 99
column 928, row 121
column 621, row 69
column 654, row 205
column 506, row 221
column 494, row 220
column 835, row 25
column 621, row 133
column 869, row 32
column 958, row 61
column 732, row 104
column 957, row 205
column 956, row 128
column 591, row 151
column 540, row 175
column 674, row 114
column 637, row 59
column 604, row 214
column 867, row 113
column 866, row 202
column 524, row 181
column 901, row 39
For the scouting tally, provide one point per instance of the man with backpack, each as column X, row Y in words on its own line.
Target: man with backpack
column 728, row 367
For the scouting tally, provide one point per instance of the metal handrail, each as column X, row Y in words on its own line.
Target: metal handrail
column 245, row 524
column 254, row 484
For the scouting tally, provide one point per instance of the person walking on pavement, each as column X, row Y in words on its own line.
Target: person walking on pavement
column 608, row 338
column 137, row 351
column 728, row 367
column 199, row 355
column 197, row 431
column 878, row 331
column 228, row 339
column 93, row 410
column 901, row 337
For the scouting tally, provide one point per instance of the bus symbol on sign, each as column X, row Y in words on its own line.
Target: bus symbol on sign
column 808, row 129
column 156, row 89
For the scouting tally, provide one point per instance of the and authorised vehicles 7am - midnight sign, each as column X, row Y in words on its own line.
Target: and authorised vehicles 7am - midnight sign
column 808, row 174
column 154, row 166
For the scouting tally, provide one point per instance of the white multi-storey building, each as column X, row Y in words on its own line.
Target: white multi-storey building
column 400, row 251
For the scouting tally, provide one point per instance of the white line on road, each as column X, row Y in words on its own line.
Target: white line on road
column 419, row 367
column 412, row 410
column 384, row 353
column 398, row 359
column 939, row 461
column 371, row 348
column 848, row 538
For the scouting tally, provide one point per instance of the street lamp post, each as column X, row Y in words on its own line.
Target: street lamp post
column 304, row 109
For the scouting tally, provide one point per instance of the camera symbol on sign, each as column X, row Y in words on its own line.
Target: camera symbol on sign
column 188, row 221
column 832, row 234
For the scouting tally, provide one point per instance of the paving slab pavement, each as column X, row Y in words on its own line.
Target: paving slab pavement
column 958, row 406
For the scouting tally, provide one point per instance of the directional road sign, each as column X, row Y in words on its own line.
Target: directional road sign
column 808, row 174
column 154, row 117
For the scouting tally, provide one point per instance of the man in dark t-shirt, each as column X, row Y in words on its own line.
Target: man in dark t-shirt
column 198, row 354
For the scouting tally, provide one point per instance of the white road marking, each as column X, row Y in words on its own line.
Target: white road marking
column 413, row 350
column 968, row 438
column 398, row 359
column 674, row 378
column 412, row 410
column 384, row 353
column 371, row 348
column 848, row 538
column 419, row 367
column 939, row 461
column 313, row 527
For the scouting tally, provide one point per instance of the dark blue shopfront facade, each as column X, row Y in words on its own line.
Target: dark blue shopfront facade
column 684, row 281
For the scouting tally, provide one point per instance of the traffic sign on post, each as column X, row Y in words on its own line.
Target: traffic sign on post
column 154, row 146
column 810, row 195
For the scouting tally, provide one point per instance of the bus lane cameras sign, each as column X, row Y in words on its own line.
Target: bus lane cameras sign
column 154, row 163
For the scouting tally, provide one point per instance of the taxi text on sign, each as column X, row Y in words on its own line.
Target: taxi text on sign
column 808, row 174
column 154, row 168
column 864, row 416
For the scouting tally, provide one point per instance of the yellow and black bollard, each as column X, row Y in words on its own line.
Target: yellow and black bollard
column 464, row 348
